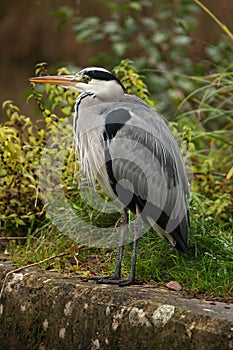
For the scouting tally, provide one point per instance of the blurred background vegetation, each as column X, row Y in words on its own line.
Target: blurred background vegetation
column 177, row 33
column 174, row 54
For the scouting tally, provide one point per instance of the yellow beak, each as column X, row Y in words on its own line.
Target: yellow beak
column 63, row 80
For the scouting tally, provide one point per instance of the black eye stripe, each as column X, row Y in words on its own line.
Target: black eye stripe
column 100, row 75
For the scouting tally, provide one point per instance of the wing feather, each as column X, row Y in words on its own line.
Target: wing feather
column 145, row 155
column 137, row 160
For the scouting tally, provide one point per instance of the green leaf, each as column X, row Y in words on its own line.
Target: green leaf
column 135, row 5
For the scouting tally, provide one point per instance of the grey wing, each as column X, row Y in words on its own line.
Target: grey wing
column 145, row 168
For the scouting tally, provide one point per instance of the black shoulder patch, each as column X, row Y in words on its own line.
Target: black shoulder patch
column 115, row 120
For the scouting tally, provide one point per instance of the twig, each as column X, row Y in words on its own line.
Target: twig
column 221, row 25
column 208, row 173
column 30, row 265
column 3, row 238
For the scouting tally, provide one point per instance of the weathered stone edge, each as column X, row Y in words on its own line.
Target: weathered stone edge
column 42, row 310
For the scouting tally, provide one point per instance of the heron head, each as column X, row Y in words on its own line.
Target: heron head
column 91, row 79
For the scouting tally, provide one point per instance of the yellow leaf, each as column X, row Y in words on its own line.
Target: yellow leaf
column 229, row 174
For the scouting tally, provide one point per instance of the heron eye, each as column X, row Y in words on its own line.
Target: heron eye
column 86, row 79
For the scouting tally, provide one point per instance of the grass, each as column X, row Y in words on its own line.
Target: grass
column 206, row 270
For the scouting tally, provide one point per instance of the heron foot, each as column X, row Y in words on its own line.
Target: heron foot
column 113, row 279
column 129, row 282
column 121, row 282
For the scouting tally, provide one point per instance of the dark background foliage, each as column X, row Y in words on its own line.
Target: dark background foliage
column 39, row 31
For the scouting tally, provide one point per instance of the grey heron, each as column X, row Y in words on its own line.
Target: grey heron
column 130, row 149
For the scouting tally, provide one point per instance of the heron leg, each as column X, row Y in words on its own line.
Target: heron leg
column 114, row 279
column 123, row 230
column 137, row 234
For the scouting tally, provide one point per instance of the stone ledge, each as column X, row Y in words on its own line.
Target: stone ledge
column 43, row 310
